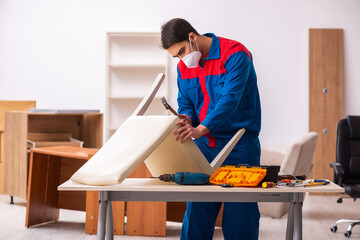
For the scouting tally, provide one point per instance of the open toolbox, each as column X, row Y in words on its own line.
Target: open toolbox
column 244, row 175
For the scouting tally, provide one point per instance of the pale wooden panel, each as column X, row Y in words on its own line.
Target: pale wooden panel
column 67, row 152
column 1, row 147
column 141, row 172
column 49, row 136
column 70, row 200
column 6, row 106
column 41, row 206
column 92, row 211
column 15, row 154
column 1, row 178
column 1, row 161
column 55, row 123
column 325, row 109
column 91, row 130
column 52, row 194
column 119, row 217
column 145, row 218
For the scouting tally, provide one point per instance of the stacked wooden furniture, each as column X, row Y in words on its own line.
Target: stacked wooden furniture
column 86, row 127
column 326, row 69
column 6, row 106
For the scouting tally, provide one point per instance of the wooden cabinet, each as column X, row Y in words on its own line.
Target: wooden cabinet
column 133, row 62
column 325, row 95
column 6, row 106
column 87, row 127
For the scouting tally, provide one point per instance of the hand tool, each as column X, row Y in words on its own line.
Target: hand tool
column 168, row 107
column 267, row 184
column 316, row 182
column 321, row 181
column 185, row 178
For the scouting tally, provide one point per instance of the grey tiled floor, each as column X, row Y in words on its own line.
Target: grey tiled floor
column 319, row 213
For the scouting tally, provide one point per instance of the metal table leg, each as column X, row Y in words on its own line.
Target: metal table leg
column 294, row 223
column 102, row 216
column 298, row 202
column 290, row 223
column 109, row 222
column 298, row 221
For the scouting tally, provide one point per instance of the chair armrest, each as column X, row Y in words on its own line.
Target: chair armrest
column 339, row 171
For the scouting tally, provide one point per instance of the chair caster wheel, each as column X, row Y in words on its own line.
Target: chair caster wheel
column 347, row 234
column 333, row 229
column 339, row 200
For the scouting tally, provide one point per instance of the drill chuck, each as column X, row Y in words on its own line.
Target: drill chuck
column 165, row 177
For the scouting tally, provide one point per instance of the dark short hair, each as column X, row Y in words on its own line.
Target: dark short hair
column 174, row 31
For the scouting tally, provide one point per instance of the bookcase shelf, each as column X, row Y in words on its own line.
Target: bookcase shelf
column 133, row 62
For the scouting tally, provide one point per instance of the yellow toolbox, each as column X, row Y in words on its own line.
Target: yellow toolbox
column 239, row 176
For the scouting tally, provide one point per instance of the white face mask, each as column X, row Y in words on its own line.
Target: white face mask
column 192, row 59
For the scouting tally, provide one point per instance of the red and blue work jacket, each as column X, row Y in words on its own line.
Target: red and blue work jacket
column 221, row 93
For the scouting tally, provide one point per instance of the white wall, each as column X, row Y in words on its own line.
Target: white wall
column 54, row 51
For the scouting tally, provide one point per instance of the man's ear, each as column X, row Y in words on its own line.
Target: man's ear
column 193, row 37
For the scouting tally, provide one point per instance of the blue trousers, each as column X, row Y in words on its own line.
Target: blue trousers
column 240, row 220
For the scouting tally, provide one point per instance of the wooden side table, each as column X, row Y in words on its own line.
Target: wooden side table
column 52, row 166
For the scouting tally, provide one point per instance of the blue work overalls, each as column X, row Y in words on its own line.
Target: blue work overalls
column 222, row 94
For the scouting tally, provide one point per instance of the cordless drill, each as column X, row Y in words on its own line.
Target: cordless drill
column 186, row 178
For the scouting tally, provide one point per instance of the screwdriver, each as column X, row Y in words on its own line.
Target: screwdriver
column 185, row 178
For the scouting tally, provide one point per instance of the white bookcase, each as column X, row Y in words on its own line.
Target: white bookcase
column 133, row 62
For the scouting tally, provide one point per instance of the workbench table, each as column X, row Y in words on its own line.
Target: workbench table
column 135, row 189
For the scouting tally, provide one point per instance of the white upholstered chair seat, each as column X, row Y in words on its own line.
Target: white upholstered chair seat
column 149, row 139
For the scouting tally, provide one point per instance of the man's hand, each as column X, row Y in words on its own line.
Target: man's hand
column 186, row 130
column 187, row 118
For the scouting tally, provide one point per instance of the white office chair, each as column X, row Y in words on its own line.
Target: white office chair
column 297, row 160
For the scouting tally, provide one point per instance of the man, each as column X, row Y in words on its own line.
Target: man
column 217, row 96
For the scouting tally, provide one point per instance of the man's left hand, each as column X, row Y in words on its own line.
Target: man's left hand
column 186, row 131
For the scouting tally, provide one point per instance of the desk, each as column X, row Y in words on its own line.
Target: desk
column 154, row 190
